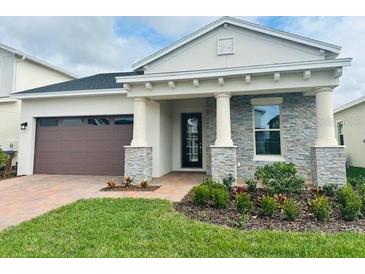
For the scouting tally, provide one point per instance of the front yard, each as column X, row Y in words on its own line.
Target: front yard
column 151, row 228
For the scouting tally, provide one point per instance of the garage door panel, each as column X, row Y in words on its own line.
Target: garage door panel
column 81, row 149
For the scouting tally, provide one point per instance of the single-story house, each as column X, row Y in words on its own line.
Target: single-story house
column 350, row 130
column 18, row 72
column 225, row 99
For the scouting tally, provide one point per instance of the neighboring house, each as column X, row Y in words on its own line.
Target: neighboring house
column 350, row 130
column 194, row 106
column 18, row 72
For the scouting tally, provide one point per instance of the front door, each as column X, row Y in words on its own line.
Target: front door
column 191, row 128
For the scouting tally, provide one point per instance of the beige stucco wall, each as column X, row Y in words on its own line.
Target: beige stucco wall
column 354, row 133
column 250, row 48
column 31, row 75
column 9, row 125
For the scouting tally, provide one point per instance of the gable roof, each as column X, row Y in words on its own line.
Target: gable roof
column 94, row 82
column 243, row 24
column 36, row 60
column 350, row 104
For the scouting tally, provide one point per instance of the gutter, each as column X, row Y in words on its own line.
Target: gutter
column 72, row 93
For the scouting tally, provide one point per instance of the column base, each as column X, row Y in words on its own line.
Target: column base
column 328, row 165
column 223, row 162
column 138, row 163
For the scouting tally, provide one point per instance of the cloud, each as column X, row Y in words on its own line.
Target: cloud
column 82, row 45
column 347, row 32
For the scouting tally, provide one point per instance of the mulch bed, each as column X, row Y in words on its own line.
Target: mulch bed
column 306, row 222
column 130, row 188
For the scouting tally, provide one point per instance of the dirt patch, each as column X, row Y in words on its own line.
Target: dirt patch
column 130, row 188
column 306, row 222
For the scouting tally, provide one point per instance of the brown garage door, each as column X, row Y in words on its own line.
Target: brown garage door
column 82, row 145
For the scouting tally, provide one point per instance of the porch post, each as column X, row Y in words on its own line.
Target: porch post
column 223, row 152
column 327, row 157
column 138, row 156
column 139, row 123
column 326, row 125
column 223, row 137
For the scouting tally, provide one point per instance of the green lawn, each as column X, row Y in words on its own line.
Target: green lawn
column 355, row 172
column 151, row 228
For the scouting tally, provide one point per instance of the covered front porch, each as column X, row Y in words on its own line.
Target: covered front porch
column 207, row 121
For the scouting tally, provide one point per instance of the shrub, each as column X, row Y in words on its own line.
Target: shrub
column 321, row 208
column 244, row 203
column 291, row 209
column 211, row 191
column 229, row 181
column 128, row 181
column 3, row 158
column 144, row 184
column 251, row 185
column 330, row 189
column 356, row 182
column 220, row 197
column 201, row 194
column 350, row 203
column 268, row 206
column 280, row 199
column 243, row 220
column 280, row 177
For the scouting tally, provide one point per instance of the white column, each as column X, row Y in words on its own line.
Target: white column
column 325, row 126
column 139, row 123
column 223, row 120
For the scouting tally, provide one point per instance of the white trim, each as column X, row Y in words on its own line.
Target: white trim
column 238, row 23
column 36, row 60
column 267, row 101
column 212, row 73
column 7, row 100
column 350, row 104
column 88, row 92
column 268, row 158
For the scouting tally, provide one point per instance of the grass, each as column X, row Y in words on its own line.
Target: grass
column 355, row 172
column 151, row 228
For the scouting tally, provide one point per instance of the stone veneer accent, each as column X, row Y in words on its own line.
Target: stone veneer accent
column 223, row 162
column 138, row 163
column 298, row 131
column 328, row 165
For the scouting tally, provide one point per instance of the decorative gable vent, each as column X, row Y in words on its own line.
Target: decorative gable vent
column 225, row 46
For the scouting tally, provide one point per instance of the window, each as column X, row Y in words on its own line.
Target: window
column 48, row 122
column 341, row 140
column 123, row 120
column 267, row 129
column 98, row 121
column 72, row 122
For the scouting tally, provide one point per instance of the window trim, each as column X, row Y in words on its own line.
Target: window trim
column 267, row 102
column 338, row 132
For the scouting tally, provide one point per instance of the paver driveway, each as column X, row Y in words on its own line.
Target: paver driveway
column 24, row 198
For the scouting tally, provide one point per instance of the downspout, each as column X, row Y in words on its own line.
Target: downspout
column 15, row 70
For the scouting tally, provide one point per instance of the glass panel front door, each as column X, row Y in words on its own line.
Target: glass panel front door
column 191, row 140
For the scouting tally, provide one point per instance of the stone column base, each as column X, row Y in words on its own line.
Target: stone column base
column 138, row 163
column 328, row 165
column 223, row 162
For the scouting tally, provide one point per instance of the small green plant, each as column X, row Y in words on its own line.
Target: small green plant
column 350, row 203
column 229, row 181
column 280, row 177
column 3, row 158
column 291, row 209
column 268, row 206
column 220, row 197
column 144, row 184
column 321, row 208
column 330, row 189
column 244, row 220
column 244, row 203
column 356, row 182
column 128, row 181
column 201, row 194
column 251, row 185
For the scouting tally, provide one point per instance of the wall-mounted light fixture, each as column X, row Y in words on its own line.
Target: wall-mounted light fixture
column 23, row 126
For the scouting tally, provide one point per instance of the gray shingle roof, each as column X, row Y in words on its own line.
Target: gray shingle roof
column 98, row 81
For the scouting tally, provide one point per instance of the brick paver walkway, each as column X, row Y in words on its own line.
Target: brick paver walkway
column 24, row 198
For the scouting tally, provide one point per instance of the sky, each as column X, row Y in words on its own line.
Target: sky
column 90, row 45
